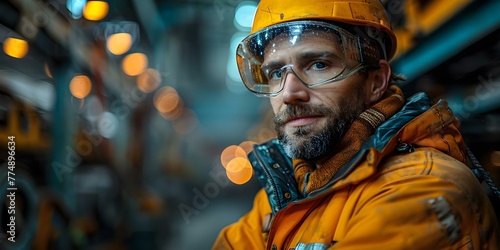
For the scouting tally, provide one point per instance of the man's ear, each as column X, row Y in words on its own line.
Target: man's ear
column 379, row 80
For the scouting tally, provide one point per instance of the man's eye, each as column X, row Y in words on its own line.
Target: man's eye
column 318, row 65
column 275, row 74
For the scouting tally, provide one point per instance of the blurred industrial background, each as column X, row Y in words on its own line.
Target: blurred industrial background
column 127, row 114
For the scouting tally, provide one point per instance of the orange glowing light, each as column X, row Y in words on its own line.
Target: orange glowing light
column 95, row 10
column 15, row 47
column 134, row 64
column 148, row 80
column 166, row 99
column 239, row 170
column 247, row 146
column 80, row 86
column 119, row 43
column 230, row 153
column 174, row 114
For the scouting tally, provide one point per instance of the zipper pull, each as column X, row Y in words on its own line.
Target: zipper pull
column 404, row 147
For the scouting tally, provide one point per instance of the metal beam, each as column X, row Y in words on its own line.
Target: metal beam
column 470, row 26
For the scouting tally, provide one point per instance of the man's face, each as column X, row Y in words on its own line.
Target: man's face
column 311, row 121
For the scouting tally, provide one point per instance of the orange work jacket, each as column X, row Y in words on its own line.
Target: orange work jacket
column 407, row 188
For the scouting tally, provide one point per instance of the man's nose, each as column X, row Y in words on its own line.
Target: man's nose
column 294, row 91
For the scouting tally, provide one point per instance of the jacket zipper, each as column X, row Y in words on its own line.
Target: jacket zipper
column 271, row 181
column 292, row 234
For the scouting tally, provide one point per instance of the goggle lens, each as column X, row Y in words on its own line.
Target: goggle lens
column 322, row 53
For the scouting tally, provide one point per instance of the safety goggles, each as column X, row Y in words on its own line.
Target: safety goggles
column 316, row 52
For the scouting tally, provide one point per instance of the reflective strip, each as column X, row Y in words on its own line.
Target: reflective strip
column 311, row 246
column 447, row 220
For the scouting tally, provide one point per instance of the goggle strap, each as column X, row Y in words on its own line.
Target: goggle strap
column 369, row 52
column 371, row 46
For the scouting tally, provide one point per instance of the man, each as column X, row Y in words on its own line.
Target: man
column 355, row 165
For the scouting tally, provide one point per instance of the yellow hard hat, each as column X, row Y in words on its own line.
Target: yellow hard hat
column 366, row 13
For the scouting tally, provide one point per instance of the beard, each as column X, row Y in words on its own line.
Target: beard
column 308, row 142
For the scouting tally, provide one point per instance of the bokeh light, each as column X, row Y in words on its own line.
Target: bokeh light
column 168, row 103
column 80, row 86
column 149, row 80
column 93, row 109
column 75, row 7
column 95, row 10
column 239, row 170
column 243, row 16
column 15, row 47
column 247, row 146
column 119, row 43
column 107, row 125
column 230, row 153
column 175, row 113
column 134, row 64
column 166, row 99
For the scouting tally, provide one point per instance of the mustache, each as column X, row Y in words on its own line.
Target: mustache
column 300, row 110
